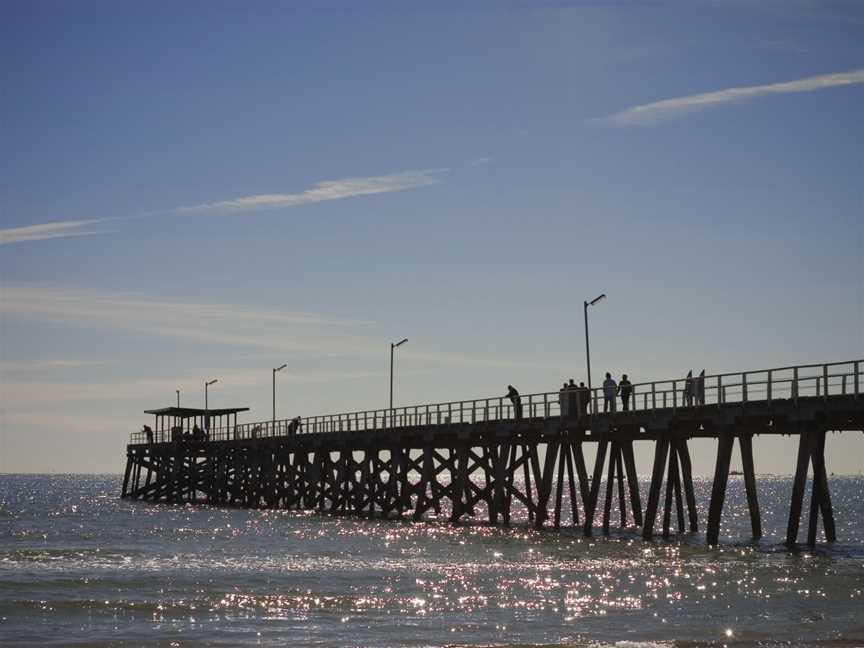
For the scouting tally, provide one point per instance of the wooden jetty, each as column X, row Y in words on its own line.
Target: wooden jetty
column 456, row 457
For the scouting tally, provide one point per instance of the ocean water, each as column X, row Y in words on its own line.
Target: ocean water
column 78, row 566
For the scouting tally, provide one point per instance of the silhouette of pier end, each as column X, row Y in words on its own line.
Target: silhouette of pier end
column 474, row 459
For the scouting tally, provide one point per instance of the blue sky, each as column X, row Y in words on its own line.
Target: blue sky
column 213, row 189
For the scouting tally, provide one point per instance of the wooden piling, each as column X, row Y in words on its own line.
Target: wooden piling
column 718, row 491
column 610, row 485
column 745, row 441
column 805, row 450
column 632, row 481
column 661, row 450
column 687, row 478
column 591, row 504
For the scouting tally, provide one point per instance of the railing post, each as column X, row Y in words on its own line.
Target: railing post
column 825, row 376
column 843, row 384
column 653, row 396
column 856, row 380
column 818, row 385
column 545, row 406
column 530, row 406
column 769, row 386
column 744, row 387
column 719, row 391
column 795, row 385
column 674, row 396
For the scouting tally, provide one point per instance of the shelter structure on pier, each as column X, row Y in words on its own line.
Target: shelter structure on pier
column 174, row 424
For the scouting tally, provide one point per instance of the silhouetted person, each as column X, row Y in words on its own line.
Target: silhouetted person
column 255, row 431
column 514, row 397
column 700, row 388
column 564, row 401
column 610, row 391
column 625, row 389
column 148, row 431
column 584, row 397
column 689, row 389
column 573, row 398
column 295, row 426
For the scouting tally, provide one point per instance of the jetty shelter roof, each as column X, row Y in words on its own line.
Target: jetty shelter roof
column 191, row 412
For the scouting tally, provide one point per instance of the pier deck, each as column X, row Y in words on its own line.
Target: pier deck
column 454, row 456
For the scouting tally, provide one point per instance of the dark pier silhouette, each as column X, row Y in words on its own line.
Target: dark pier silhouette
column 424, row 459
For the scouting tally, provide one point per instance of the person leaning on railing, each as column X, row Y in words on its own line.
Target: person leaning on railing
column 514, row 398
column 295, row 426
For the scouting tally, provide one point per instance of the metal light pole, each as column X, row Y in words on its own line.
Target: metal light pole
column 274, row 391
column 393, row 347
column 207, row 402
column 178, row 397
column 587, row 346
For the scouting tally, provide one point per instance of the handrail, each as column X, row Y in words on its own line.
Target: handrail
column 766, row 385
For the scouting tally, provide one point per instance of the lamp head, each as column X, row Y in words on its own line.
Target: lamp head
column 597, row 299
column 398, row 344
column 211, row 382
column 281, row 368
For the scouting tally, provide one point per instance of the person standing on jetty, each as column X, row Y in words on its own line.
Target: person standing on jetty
column 564, row 401
column 700, row 388
column 625, row 388
column 573, row 398
column 610, row 391
column 514, row 397
column 689, row 388
column 584, row 396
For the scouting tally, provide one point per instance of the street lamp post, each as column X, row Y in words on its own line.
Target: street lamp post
column 178, row 398
column 393, row 347
column 207, row 384
column 274, row 392
column 587, row 346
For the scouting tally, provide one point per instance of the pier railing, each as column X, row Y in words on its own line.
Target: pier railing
column 764, row 385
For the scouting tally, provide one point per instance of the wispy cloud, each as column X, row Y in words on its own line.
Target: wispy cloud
column 233, row 325
column 23, row 396
column 59, row 229
column 47, row 365
column 321, row 192
column 668, row 108
column 230, row 325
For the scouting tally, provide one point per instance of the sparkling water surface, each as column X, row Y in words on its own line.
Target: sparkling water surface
column 79, row 566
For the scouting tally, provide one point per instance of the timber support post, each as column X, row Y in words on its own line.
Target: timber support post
column 718, row 489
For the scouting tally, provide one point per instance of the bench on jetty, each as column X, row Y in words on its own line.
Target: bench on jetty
column 411, row 460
